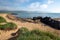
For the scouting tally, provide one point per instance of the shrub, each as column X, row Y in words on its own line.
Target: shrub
column 2, row 20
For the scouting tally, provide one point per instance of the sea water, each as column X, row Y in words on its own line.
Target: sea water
column 31, row 15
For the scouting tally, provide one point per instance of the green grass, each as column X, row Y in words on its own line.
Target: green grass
column 2, row 19
column 8, row 26
column 25, row 34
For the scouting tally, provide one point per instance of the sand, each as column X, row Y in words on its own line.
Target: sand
column 4, row 35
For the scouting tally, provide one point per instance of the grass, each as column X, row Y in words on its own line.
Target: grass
column 8, row 26
column 2, row 19
column 25, row 34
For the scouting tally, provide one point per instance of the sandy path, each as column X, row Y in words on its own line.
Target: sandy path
column 5, row 35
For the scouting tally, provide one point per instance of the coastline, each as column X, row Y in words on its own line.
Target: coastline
column 29, row 25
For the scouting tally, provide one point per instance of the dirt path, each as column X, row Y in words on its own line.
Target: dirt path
column 4, row 35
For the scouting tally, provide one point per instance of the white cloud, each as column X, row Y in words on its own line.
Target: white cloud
column 50, row 1
column 37, row 6
column 9, row 8
column 34, row 5
column 43, row 6
column 56, row 10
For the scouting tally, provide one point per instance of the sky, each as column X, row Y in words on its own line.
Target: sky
column 31, row 5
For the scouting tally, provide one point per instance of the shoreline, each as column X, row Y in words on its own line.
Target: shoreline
column 29, row 25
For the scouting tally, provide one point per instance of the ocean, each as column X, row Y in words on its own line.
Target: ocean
column 26, row 14
column 31, row 15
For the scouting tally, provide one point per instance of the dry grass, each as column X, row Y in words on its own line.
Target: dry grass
column 31, row 26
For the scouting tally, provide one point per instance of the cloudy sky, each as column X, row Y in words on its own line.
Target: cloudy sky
column 31, row 5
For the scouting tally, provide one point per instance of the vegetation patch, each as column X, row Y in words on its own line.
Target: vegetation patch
column 25, row 34
column 8, row 26
column 2, row 19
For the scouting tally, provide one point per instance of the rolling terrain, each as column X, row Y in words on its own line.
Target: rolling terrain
column 27, row 23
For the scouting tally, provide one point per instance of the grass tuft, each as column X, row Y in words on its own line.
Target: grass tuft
column 25, row 34
column 2, row 19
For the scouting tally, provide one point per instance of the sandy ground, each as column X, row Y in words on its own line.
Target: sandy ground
column 4, row 35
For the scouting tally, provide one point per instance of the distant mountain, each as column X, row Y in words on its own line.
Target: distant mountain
column 10, row 11
column 22, row 11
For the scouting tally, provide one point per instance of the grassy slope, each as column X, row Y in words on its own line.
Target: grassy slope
column 7, row 25
column 28, row 25
column 25, row 34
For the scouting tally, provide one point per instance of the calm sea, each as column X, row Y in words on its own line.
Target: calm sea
column 30, row 15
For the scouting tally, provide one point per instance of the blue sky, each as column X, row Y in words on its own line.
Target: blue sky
column 31, row 5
